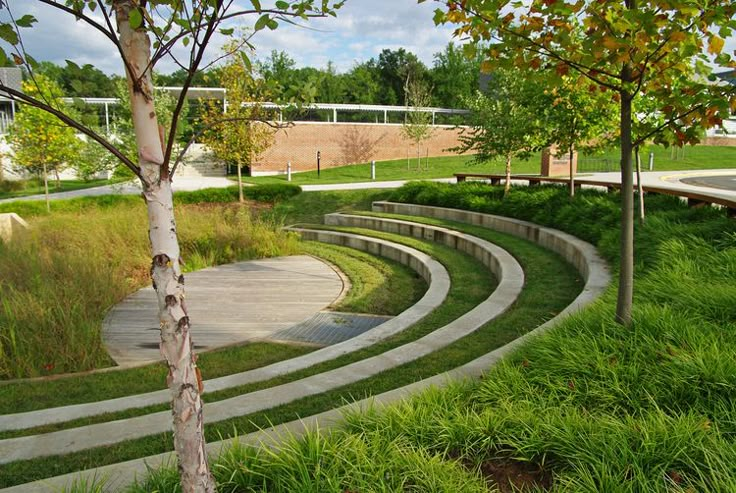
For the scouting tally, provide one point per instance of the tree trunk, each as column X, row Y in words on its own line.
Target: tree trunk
column 57, row 178
column 46, row 186
column 572, row 172
column 639, row 185
column 184, row 379
column 241, row 199
column 507, row 184
column 626, row 273
column 419, row 158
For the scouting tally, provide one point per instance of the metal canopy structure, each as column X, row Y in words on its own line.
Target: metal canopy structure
column 335, row 107
column 220, row 93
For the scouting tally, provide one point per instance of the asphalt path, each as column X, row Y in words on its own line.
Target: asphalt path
column 724, row 182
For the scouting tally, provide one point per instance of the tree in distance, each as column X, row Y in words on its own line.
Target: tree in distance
column 39, row 141
column 506, row 120
column 417, row 126
column 241, row 131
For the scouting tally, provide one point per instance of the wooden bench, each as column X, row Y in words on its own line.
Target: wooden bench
column 694, row 199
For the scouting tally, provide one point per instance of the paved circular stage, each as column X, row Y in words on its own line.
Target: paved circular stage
column 227, row 304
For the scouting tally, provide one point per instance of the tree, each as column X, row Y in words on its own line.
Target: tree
column 506, row 120
column 143, row 33
column 238, row 133
column 417, row 126
column 579, row 119
column 40, row 142
column 394, row 68
column 625, row 46
column 363, row 84
column 455, row 75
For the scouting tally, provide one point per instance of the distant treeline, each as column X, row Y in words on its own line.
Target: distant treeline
column 380, row 80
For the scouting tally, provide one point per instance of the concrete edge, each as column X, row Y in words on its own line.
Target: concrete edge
column 109, row 433
column 120, row 475
column 439, row 284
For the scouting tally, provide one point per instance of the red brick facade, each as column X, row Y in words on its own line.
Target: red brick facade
column 346, row 143
column 719, row 141
column 556, row 165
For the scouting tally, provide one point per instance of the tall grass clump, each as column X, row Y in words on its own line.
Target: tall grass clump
column 58, row 279
column 598, row 406
column 329, row 463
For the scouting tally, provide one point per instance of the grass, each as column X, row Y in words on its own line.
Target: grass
column 59, row 279
column 378, row 285
column 375, row 283
column 24, row 188
column 695, row 158
column 550, row 286
column 597, row 406
column 590, row 406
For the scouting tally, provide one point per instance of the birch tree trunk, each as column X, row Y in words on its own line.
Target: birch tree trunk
column 507, row 184
column 184, row 379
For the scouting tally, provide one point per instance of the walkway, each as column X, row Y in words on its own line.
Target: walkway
column 227, row 304
column 132, row 187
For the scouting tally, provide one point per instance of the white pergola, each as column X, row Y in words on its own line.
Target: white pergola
column 220, row 93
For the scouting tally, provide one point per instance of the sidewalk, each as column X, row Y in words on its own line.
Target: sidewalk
column 132, row 187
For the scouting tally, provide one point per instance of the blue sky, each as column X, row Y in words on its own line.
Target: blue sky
column 361, row 30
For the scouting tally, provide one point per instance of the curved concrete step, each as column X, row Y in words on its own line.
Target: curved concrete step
column 510, row 283
column 118, row 476
column 432, row 271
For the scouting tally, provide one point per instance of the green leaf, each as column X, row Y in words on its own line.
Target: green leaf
column 272, row 24
column 256, row 4
column 26, row 21
column 135, row 18
column 227, row 32
column 7, row 33
column 3, row 58
column 185, row 41
column 280, row 4
column 261, row 22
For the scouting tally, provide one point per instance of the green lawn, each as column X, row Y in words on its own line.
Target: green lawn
column 695, row 158
column 35, row 187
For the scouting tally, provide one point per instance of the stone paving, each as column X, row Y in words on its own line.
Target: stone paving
column 228, row 304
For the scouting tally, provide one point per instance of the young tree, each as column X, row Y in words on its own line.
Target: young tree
column 40, row 142
column 626, row 46
column 417, row 126
column 238, row 133
column 579, row 119
column 506, row 121
column 143, row 33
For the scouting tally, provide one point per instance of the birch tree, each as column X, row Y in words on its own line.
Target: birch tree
column 628, row 47
column 144, row 33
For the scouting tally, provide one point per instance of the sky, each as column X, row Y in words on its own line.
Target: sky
column 361, row 30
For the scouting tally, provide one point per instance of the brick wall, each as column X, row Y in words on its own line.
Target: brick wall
column 345, row 143
column 719, row 141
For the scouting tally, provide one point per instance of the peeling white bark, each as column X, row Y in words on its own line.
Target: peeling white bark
column 184, row 379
